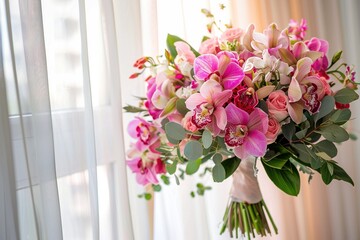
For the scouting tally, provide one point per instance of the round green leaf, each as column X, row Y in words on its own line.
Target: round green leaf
column 217, row 158
column 334, row 133
column 193, row 150
column 346, row 95
column 193, row 166
column 341, row 116
column 328, row 147
column 327, row 105
column 181, row 106
column 171, row 168
column 175, row 131
column 207, row 138
column 218, row 173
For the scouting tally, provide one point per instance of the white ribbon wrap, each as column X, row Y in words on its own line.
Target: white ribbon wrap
column 245, row 186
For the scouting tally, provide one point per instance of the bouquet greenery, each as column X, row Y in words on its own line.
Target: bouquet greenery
column 244, row 97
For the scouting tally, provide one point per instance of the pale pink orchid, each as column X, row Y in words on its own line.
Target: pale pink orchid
column 164, row 91
column 268, row 66
column 272, row 39
column 223, row 68
column 245, row 133
column 185, row 58
column 147, row 167
column 305, row 91
column 151, row 88
column 207, row 106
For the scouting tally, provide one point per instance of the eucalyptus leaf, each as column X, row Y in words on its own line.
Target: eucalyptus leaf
column 193, row 166
column 328, row 147
column 340, row 174
column 287, row 181
column 288, row 130
column 206, row 139
column 171, row 168
column 175, row 131
column 340, row 116
column 327, row 105
column 218, row 173
column 230, row 165
column 193, row 150
column 346, row 95
column 334, row 133
column 217, row 158
column 304, row 155
column 324, row 156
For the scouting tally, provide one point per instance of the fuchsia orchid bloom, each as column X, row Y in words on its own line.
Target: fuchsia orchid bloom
column 223, row 67
column 246, row 132
column 207, row 106
column 146, row 133
column 146, row 167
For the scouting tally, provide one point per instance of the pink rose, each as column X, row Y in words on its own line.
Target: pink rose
column 274, row 130
column 232, row 34
column 277, row 105
column 187, row 123
column 209, row 46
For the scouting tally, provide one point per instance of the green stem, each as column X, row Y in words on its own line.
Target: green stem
column 245, row 219
column 269, row 215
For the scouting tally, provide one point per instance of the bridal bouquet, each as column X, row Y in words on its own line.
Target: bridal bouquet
column 242, row 99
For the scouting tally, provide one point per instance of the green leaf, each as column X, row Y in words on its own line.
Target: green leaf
column 346, row 95
column 334, row 133
column 287, row 181
column 328, row 147
column 193, row 150
column 340, row 174
column 204, row 38
column 181, row 106
column 192, row 194
column 193, row 166
column 324, row 156
column 171, row 168
column 263, row 106
column 330, row 167
column 304, row 155
column 303, row 168
column 175, row 131
column 327, row 105
column 340, row 116
column 177, row 180
column 217, row 158
column 157, row 188
column 206, row 139
column 133, row 109
column 218, row 173
column 279, row 161
column 171, row 39
column 170, row 106
column 230, row 165
column 147, row 196
column 353, row 136
column 165, row 179
column 288, row 130
column 325, row 174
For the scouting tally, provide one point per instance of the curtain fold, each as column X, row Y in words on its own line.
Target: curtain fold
column 63, row 174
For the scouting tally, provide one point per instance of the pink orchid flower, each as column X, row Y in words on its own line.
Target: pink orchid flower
column 245, row 133
column 297, row 30
column 223, row 67
column 305, row 91
column 207, row 106
column 146, row 167
column 146, row 133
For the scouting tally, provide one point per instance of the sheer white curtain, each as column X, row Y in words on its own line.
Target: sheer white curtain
column 319, row 212
column 62, row 168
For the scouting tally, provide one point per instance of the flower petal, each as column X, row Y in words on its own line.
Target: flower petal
column 258, row 120
column 296, row 112
column 241, row 152
column 194, row 100
column 255, row 143
column 133, row 164
column 294, row 91
column 132, row 128
column 205, row 65
column 219, row 99
column 210, row 88
column 236, row 115
column 232, row 76
column 220, row 116
column 303, row 67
